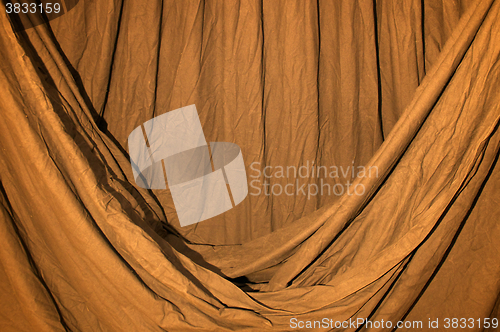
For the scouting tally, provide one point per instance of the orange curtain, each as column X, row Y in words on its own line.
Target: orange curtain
column 408, row 89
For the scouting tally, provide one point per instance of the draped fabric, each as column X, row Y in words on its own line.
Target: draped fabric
column 408, row 89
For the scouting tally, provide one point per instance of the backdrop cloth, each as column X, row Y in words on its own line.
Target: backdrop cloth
column 409, row 88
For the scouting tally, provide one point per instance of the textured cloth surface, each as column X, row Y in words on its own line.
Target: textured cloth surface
column 406, row 88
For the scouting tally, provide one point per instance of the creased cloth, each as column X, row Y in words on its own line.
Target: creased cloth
column 408, row 87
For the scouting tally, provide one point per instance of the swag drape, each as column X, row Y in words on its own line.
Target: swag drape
column 409, row 88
